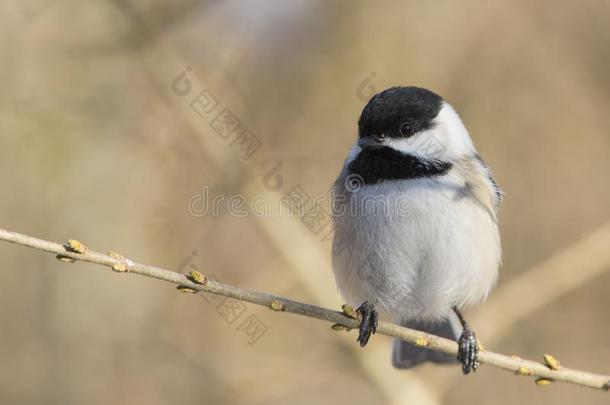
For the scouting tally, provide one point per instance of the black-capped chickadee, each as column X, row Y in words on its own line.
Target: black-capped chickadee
column 416, row 234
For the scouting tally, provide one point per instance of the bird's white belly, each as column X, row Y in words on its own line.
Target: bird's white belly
column 416, row 248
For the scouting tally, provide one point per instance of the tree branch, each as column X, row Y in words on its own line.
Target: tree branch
column 73, row 250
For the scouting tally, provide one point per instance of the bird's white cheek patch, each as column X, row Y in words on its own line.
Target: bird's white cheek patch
column 426, row 144
column 401, row 145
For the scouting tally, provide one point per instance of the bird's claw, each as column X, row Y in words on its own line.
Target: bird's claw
column 468, row 351
column 368, row 323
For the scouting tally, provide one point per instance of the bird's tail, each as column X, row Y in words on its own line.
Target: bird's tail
column 406, row 355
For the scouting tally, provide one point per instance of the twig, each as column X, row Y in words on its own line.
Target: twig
column 76, row 251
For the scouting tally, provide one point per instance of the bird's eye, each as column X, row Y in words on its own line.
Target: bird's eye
column 408, row 128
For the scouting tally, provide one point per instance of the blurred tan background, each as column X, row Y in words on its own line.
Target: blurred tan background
column 96, row 144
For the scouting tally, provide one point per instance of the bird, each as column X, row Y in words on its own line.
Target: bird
column 416, row 235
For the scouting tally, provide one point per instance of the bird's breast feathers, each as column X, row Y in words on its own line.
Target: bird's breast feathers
column 417, row 247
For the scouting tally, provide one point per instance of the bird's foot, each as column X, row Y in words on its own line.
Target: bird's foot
column 368, row 324
column 468, row 351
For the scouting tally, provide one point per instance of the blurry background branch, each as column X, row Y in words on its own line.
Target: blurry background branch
column 73, row 250
column 567, row 270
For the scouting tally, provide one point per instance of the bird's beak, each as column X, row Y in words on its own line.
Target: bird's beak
column 371, row 142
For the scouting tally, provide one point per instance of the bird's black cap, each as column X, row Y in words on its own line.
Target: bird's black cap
column 399, row 112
